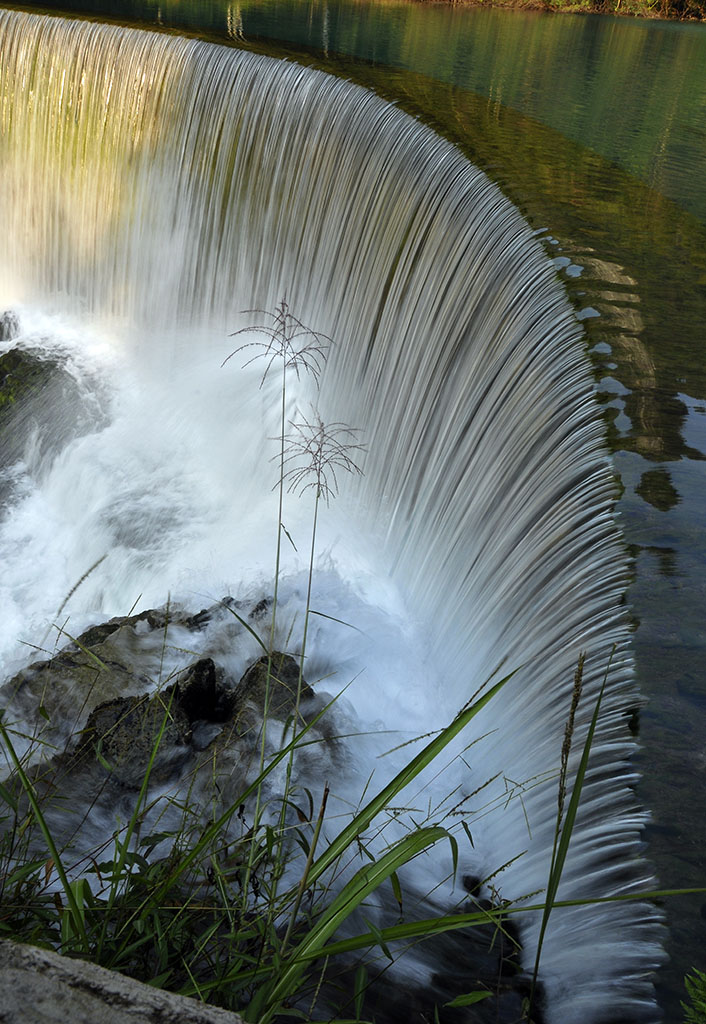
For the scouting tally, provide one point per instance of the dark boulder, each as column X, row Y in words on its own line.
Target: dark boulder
column 203, row 694
column 153, row 618
column 117, row 700
column 118, row 658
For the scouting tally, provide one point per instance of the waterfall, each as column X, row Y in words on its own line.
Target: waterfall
column 154, row 187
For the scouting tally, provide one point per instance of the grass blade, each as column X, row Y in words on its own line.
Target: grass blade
column 74, row 911
column 362, row 820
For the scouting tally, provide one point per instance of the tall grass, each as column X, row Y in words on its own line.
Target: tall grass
column 288, row 346
column 178, row 921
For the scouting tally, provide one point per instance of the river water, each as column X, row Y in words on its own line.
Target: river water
column 596, row 128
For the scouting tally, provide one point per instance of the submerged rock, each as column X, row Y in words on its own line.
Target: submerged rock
column 42, row 406
column 9, row 325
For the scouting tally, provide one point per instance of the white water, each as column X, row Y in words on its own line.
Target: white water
column 152, row 187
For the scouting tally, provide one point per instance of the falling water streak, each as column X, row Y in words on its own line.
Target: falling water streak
column 487, row 486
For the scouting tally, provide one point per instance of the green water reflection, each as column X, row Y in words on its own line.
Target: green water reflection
column 632, row 91
column 596, row 128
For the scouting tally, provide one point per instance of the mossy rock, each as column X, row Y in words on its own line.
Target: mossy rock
column 108, row 661
column 93, row 705
column 98, row 720
column 40, row 406
column 153, row 618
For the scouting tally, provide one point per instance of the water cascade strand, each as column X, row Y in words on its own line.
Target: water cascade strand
column 168, row 184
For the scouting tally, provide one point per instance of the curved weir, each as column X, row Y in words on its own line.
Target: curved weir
column 152, row 188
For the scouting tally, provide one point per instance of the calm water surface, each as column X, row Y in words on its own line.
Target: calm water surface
column 596, row 128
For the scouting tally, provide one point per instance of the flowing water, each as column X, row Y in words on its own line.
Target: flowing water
column 152, row 188
column 595, row 126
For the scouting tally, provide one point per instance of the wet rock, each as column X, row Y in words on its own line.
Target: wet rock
column 51, row 698
column 100, row 686
column 123, row 734
column 9, row 325
column 231, row 759
column 201, row 619
column 150, row 619
column 122, row 657
column 261, row 609
column 202, row 692
column 284, row 685
column 41, row 406
column 98, row 707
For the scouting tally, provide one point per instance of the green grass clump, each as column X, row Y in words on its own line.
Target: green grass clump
column 211, row 917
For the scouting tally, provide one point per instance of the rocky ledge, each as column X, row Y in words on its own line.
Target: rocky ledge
column 117, row 701
column 41, row 987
